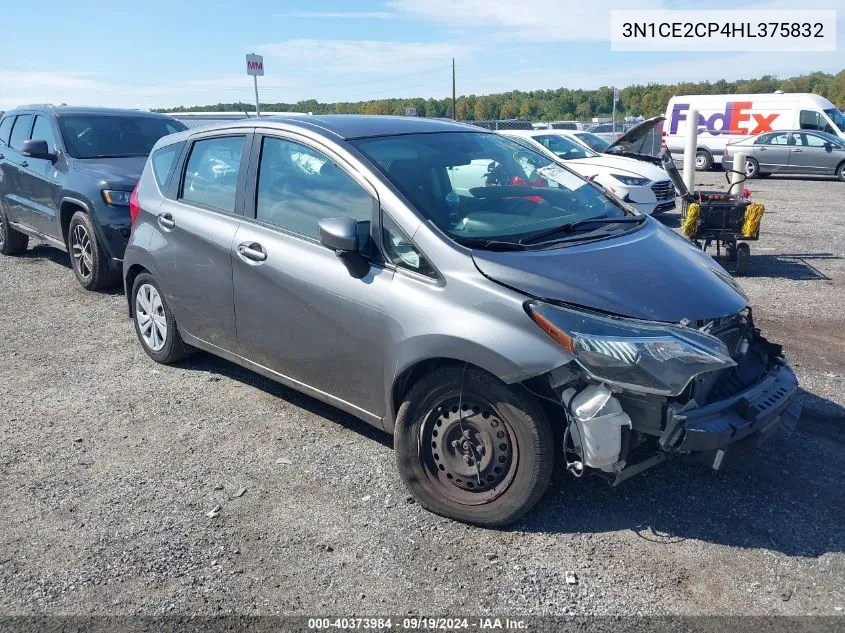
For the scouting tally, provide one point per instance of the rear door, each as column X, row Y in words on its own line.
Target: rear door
column 194, row 229
column 772, row 152
column 813, row 154
column 300, row 312
column 18, row 193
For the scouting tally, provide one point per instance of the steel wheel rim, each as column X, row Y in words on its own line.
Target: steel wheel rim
column 471, row 459
column 150, row 317
column 700, row 160
column 82, row 251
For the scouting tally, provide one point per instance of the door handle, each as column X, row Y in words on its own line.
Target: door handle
column 762, row 149
column 252, row 251
column 797, row 150
column 24, row 163
column 166, row 221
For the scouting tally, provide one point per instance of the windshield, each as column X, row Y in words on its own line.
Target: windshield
column 837, row 117
column 596, row 143
column 109, row 136
column 565, row 148
column 479, row 186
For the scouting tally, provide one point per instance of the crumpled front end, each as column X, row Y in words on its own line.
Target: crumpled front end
column 632, row 399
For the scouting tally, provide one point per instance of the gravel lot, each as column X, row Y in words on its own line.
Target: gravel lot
column 109, row 464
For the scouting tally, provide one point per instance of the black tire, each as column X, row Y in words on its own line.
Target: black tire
column 752, row 168
column 173, row 348
column 12, row 242
column 840, row 171
column 703, row 160
column 764, row 174
column 87, row 257
column 512, row 473
column 743, row 258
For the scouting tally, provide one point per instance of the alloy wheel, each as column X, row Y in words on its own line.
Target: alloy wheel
column 149, row 313
column 468, row 450
column 82, row 251
column 2, row 231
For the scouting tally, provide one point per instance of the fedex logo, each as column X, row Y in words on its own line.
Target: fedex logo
column 736, row 119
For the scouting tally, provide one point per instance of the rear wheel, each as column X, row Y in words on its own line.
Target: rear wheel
column 840, row 171
column 154, row 322
column 12, row 242
column 752, row 168
column 471, row 448
column 703, row 160
column 89, row 261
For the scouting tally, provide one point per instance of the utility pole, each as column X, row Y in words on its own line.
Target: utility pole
column 454, row 112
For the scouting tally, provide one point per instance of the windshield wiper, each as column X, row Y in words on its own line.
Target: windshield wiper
column 571, row 226
column 489, row 245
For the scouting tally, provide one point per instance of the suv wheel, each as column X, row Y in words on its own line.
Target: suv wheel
column 89, row 262
column 154, row 323
column 703, row 160
column 12, row 242
column 472, row 449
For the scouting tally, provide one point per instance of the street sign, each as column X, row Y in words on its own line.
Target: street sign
column 616, row 94
column 410, row 112
column 255, row 65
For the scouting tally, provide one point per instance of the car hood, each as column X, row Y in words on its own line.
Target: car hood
column 651, row 273
column 616, row 164
column 125, row 171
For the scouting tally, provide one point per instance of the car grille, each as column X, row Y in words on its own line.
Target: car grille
column 663, row 190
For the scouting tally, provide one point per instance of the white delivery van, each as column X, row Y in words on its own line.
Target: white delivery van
column 723, row 119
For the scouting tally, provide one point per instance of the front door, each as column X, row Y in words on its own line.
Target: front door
column 812, row 154
column 43, row 182
column 299, row 311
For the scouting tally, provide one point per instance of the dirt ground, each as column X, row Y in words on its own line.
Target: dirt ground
column 109, row 464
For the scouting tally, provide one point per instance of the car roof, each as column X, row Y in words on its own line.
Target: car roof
column 68, row 110
column 350, row 126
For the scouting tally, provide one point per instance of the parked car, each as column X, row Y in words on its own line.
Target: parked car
column 643, row 185
column 503, row 124
column 65, row 177
column 491, row 327
column 725, row 118
column 608, row 131
column 790, row 152
column 593, row 141
column 565, row 125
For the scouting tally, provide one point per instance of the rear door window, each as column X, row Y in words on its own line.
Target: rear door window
column 211, row 175
column 20, row 131
column 5, row 128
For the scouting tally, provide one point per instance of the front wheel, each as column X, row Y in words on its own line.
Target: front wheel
column 473, row 449
column 87, row 257
column 840, row 171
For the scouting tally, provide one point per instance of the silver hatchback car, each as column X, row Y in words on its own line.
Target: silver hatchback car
column 491, row 309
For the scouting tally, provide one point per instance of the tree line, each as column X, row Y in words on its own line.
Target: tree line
column 560, row 104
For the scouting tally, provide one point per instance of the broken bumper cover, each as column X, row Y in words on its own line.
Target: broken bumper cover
column 756, row 411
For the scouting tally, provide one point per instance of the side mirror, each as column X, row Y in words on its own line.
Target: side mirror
column 828, row 146
column 37, row 149
column 339, row 234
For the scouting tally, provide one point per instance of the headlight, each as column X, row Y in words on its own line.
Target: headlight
column 638, row 355
column 631, row 181
column 116, row 198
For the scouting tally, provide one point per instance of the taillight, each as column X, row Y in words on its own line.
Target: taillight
column 663, row 139
column 134, row 205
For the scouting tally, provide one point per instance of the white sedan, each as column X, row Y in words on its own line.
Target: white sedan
column 644, row 186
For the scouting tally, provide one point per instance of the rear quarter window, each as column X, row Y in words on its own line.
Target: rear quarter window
column 163, row 161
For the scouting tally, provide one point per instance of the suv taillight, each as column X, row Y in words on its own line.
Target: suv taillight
column 134, row 205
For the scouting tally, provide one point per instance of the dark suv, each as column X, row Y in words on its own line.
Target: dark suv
column 66, row 176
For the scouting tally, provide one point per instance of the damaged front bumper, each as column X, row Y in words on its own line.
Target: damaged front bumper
column 756, row 411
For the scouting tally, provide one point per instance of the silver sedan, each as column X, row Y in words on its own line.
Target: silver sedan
column 790, row 152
